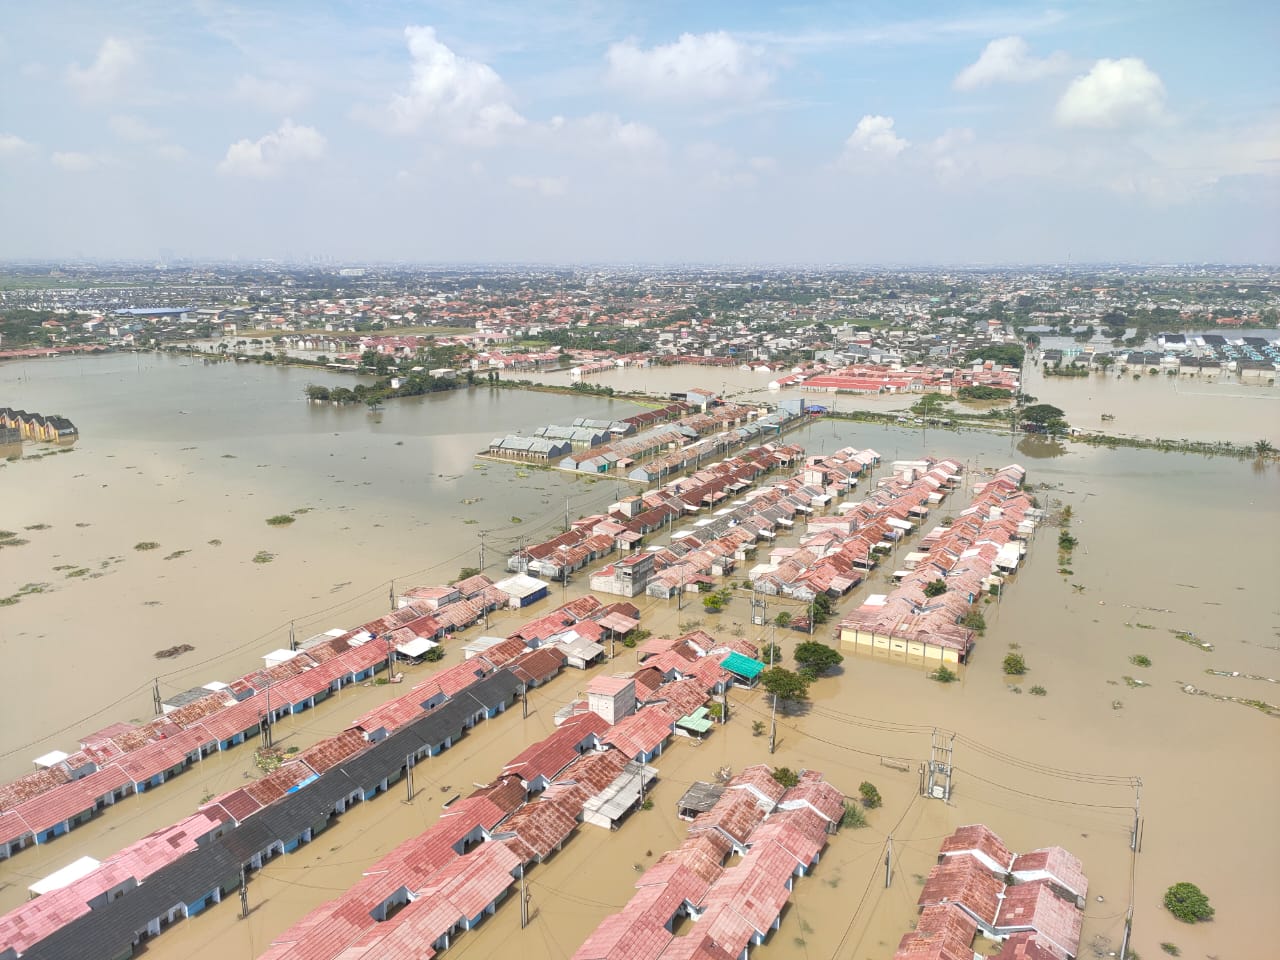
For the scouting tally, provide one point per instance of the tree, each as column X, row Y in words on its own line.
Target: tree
column 1043, row 415
column 853, row 816
column 1188, row 903
column 785, row 684
column 935, row 588
column 786, row 776
column 434, row 655
column 815, row 659
column 975, row 621
column 466, row 573
column 821, row 609
column 783, row 619
column 1263, row 448
column 870, row 795
column 1014, row 665
column 771, row 653
column 315, row 391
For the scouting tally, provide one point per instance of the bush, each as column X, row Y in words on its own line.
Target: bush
column 434, row 655
column 870, row 795
column 1038, row 691
column 853, row 816
column 757, row 728
column 1188, row 903
column 1171, row 949
column 935, row 588
column 280, row 520
column 786, row 776
column 944, row 675
column 975, row 621
column 1140, row 660
column 1014, row 665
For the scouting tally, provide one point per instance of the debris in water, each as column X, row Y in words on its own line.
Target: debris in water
column 168, row 653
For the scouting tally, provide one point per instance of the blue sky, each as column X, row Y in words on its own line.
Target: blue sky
column 743, row 132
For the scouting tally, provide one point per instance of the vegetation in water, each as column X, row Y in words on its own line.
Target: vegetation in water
column 280, row 520
column 1140, row 660
column 944, row 674
column 146, row 545
column 1188, row 903
column 853, row 816
column 785, row 685
column 870, row 795
column 1038, row 691
column 263, row 556
column 1014, row 665
column 815, row 659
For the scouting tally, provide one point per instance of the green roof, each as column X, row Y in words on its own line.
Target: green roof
column 699, row 721
column 742, row 665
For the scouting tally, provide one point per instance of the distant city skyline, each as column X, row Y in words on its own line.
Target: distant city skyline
column 650, row 133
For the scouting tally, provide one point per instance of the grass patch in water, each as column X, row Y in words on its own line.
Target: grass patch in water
column 146, row 545
column 280, row 520
column 263, row 556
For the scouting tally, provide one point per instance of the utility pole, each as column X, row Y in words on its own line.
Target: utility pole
column 566, row 514
column 293, row 639
column 482, row 554
column 156, row 702
column 244, row 894
column 888, row 860
column 408, row 777
column 524, row 901
column 773, row 710
column 391, row 596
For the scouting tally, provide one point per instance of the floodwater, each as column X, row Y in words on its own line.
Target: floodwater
column 1167, row 542
column 1206, row 408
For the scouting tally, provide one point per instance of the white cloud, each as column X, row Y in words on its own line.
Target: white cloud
column 707, row 66
column 106, row 76
column 171, row 151
column 1115, row 93
column 1009, row 60
column 610, row 133
column 449, row 94
column 951, row 154
column 271, row 96
column 11, row 145
column 74, row 162
column 544, row 186
column 270, row 154
column 133, row 129
column 873, row 139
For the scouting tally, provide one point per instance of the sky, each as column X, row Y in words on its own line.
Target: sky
column 869, row 132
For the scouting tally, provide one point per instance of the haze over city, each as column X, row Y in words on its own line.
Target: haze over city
column 563, row 132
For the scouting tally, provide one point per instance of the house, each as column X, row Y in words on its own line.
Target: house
column 613, row 698
column 523, row 590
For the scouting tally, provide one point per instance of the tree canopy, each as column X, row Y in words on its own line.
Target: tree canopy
column 815, row 659
column 785, row 684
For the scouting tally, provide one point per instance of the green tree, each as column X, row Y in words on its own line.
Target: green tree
column 466, row 573
column 853, row 816
column 815, row 659
column 783, row 619
column 821, row 609
column 870, row 795
column 975, row 621
column 1188, row 903
column 315, row 391
column 935, row 588
column 771, row 653
column 785, row 684
column 1046, row 416
column 1014, row 665
column 786, row 776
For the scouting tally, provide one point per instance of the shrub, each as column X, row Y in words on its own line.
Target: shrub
column 434, row 655
column 1171, row 949
column 1140, row 660
column 757, row 728
column 853, row 816
column 786, row 776
column 1188, row 903
column 1014, row 665
column 975, row 621
column 146, row 545
column 1038, row 691
column 280, row 520
column 944, row 675
column 870, row 795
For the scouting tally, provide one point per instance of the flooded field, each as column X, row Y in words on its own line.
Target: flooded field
column 1169, row 544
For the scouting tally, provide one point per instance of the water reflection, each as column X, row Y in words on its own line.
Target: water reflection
column 1041, row 448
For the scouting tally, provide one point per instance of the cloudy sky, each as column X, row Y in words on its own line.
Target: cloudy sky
column 885, row 131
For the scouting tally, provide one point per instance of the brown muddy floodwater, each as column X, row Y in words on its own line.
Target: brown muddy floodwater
column 186, row 456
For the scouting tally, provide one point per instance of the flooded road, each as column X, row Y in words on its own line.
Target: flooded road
column 1168, row 542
